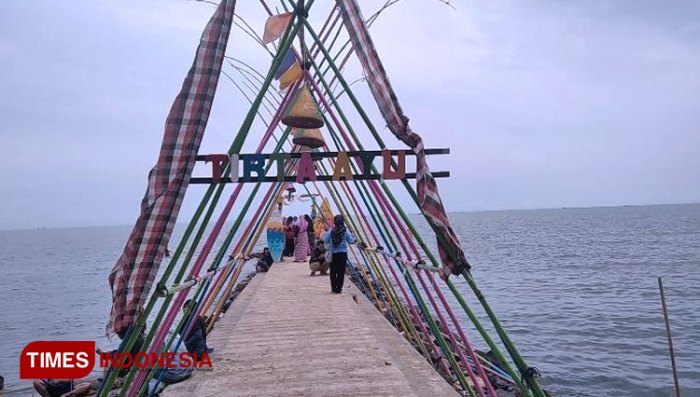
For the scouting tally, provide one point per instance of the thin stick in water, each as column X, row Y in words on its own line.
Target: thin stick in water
column 670, row 341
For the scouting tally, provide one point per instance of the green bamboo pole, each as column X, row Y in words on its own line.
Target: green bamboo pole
column 140, row 324
column 238, row 143
column 433, row 326
column 216, row 261
column 187, row 312
column 235, row 148
column 365, row 196
column 522, row 367
column 166, row 302
column 336, row 36
column 431, row 322
column 340, row 111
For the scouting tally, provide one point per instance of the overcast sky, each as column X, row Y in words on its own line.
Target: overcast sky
column 543, row 103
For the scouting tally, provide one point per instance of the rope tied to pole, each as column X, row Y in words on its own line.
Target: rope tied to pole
column 419, row 264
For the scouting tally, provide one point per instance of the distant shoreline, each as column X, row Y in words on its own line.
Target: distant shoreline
column 409, row 213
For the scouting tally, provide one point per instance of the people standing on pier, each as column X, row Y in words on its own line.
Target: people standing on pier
column 301, row 245
column 337, row 240
column 288, row 237
column 310, row 233
column 317, row 261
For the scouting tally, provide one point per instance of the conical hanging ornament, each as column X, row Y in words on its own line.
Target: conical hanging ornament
column 303, row 111
column 311, row 138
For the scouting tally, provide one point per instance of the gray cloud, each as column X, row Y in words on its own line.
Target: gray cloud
column 543, row 103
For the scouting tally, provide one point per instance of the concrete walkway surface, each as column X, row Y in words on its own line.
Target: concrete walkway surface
column 287, row 335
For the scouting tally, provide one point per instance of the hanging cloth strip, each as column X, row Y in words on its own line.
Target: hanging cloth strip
column 429, row 199
column 133, row 274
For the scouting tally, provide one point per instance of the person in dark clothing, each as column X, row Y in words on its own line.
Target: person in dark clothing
column 289, row 237
column 265, row 260
column 196, row 340
column 53, row 387
column 317, row 262
column 310, row 232
column 337, row 240
column 135, row 348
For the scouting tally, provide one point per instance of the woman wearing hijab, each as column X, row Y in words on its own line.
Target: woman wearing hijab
column 337, row 240
column 301, row 247
column 288, row 238
column 310, row 232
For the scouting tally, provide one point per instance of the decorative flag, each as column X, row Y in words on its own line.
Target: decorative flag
column 429, row 200
column 290, row 76
column 275, row 26
column 287, row 62
column 324, row 220
column 133, row 274
column 275, row 235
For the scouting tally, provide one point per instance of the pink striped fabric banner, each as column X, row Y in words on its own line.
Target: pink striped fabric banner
column 133, row 274
column 429, row 200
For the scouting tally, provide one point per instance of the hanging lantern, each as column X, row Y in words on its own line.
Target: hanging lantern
column 290, row 192
column 311, row 138
column 303, row 111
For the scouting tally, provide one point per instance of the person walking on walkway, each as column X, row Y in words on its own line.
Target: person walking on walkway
column 301, row 246
column 337, row 240
column 310, row 232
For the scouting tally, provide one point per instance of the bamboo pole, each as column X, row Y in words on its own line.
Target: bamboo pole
column 670, row 340
column 510, row 347
column 235, row 148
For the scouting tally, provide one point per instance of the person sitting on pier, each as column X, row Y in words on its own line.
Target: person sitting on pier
column 168, row 376
column 196, row 340
column 317, row 262
column 53, row 387
column 265, row 260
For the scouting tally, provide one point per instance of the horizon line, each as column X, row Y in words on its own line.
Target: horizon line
column 409, row 213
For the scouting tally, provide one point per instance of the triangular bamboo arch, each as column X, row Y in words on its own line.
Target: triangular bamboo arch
column 387, row 225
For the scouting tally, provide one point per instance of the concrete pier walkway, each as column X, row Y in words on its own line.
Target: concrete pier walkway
column 287, row 335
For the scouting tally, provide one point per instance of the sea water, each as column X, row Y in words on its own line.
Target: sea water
column 575, row 289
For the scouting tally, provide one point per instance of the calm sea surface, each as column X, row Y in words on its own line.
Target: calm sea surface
column 575, row 288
